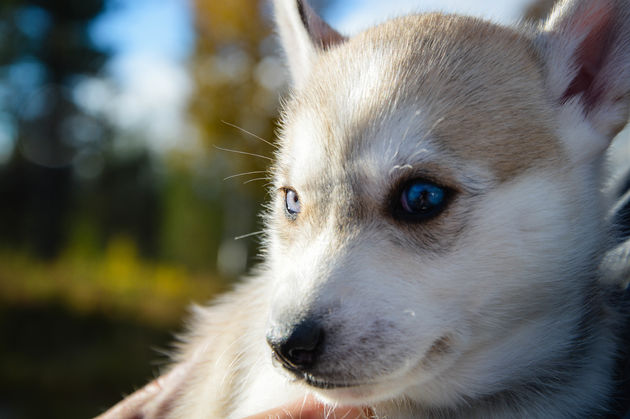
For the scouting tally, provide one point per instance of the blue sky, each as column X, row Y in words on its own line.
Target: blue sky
column 352, row 15
column 150, row 41
column 148, row 27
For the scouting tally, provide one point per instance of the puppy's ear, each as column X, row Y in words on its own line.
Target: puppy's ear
column 303, row 35
column 586, row 49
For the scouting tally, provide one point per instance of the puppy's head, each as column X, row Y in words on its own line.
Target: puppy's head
column 436, row 211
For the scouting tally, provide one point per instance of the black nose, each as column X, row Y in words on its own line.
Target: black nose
column 296, row 347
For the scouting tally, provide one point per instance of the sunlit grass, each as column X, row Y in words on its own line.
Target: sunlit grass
column 118, row 283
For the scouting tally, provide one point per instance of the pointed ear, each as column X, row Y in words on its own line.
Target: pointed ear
column 303, row 35
column 586, row 49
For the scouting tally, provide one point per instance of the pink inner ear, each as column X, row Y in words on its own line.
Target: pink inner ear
column 591, row 55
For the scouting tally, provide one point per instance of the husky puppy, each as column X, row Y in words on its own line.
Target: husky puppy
column 437, row 225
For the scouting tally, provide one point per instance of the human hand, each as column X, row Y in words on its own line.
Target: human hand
column 310, row 408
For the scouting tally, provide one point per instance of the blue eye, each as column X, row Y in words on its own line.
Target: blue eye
column 422, row 200
column 292, row 202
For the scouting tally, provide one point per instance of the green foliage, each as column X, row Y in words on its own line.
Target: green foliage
column 118, row 284
column 192, row 214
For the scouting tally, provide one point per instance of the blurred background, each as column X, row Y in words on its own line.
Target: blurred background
column 118, row 205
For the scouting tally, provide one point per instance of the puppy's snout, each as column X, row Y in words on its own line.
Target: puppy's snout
column 296, row 347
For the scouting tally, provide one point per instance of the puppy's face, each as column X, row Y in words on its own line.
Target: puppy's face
column 428, row 219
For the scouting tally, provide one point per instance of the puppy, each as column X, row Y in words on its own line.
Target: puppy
column 437, row 225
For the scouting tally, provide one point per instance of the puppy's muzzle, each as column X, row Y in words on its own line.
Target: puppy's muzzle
column 297, row 346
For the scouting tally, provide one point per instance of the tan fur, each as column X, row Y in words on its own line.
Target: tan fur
column 485, row 106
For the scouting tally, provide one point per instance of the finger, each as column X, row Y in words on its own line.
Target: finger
column 132, row 404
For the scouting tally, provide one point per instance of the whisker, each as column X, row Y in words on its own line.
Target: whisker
column 243, row 130
column 255, row 179
column 255, row 172
column 243, row 152
column 255, row 233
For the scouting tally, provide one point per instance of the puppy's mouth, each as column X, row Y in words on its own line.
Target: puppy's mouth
column 326, row 385
column 310, row 379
